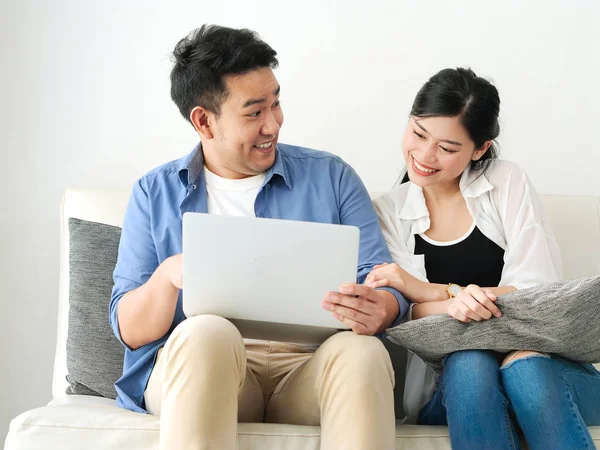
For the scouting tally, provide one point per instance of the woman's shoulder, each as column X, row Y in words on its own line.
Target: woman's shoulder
column 503, row 173
column 392, row 200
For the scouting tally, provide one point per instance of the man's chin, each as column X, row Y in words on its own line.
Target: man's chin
column 264, row 163
column 263, row 169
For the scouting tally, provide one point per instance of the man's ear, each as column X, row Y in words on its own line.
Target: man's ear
column 202, row 119
column 480, row 152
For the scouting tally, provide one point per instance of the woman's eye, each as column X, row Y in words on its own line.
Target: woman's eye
column 419, row 134
column 447, row 150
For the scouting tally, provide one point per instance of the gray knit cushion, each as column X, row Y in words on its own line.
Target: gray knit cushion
column 561, row 318
column 94, row 355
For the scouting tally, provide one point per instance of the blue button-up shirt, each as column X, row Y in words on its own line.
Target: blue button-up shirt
column 302, row 184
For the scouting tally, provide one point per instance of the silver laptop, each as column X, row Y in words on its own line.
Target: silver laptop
column 267, row 276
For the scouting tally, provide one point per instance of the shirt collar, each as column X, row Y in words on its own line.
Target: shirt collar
column 280, row 168
column 472, row 184
column 190, row 167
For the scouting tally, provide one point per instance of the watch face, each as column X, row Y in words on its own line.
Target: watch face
column 455, row 289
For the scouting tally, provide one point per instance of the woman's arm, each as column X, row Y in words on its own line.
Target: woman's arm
column 532, row 255
column 386, row 207
column 417, row 291
column 500, row 290
column 472, row 304
column 420, row 310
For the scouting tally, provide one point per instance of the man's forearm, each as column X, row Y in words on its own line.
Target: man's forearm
column 145, row 314
column 402, row 306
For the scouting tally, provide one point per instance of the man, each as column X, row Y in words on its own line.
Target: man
column 198, row 373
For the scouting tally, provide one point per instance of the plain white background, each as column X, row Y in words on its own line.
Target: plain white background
column 84, row 102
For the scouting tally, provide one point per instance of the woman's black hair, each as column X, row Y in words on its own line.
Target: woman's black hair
column 459, row 92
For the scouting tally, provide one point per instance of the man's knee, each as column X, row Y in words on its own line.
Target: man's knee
column 358, row 354
column 205, row 331
column 203, row 355
column 356, row 345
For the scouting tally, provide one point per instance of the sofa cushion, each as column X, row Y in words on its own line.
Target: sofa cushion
column 73, row 422
column 68, row 422
column 562, row 318
column 94, row 355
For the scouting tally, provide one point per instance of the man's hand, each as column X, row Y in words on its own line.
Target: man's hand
column 473, row 303
column 363, row 309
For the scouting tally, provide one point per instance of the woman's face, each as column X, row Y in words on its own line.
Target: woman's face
column 438, row 149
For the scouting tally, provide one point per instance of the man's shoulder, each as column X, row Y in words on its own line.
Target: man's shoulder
column 165, row 173
column 295, row 153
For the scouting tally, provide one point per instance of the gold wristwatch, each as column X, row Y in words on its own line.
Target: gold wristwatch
column 453, row 290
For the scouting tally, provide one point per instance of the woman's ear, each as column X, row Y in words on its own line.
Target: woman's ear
column 480, row 152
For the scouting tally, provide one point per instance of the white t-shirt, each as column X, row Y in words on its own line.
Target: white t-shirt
column 506, row 209
column 228, row 197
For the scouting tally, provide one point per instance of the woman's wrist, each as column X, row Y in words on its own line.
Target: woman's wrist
column 437, row 292
column 418, row 291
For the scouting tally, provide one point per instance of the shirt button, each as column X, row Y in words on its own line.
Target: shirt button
column 193, row 186
column 267, row 186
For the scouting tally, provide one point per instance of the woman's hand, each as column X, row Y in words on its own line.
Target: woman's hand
column 385, row 274
column 412, row 288
column 473, row 303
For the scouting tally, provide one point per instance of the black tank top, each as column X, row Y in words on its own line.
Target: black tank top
column 474, row 259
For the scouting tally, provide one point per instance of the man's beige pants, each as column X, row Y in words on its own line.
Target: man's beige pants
column 206, row 380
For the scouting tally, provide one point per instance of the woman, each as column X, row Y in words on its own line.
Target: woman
column 464, row 228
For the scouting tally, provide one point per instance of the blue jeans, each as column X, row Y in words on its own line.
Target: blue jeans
column 550, row 399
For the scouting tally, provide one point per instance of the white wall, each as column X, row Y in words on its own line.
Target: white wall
column 84, row 101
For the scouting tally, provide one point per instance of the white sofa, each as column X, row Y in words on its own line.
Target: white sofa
column 82, row 422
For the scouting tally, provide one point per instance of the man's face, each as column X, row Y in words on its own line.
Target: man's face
column 245, row 134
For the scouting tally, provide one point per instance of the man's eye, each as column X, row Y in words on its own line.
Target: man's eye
column 254, row 114
column 277, row 104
